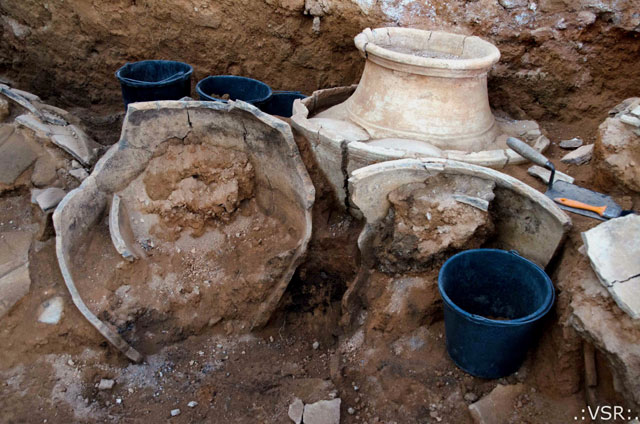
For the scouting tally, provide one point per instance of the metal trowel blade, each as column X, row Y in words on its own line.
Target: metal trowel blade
column 581, row 194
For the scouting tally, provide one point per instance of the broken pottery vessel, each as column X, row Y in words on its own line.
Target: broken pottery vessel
column 422, row 94
column 211, row 208
column 420, row 211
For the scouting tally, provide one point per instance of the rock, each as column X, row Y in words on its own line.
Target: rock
column 192, row 404
column 512, row 4
column 5, row 132
column 572, row 144
column 613, row 248
column 14, row 268
column 296, row 410
column 586, row 18
column 616, row 152
column 636, row 111
column 79, row 174
column 175, row 412
column 542, row 34
column 579, row 156
column 631, row 120
column 497, row 406
column 351, row 411
column 14, row 250
column 470, row 397
column 51, row 310
column 49, row 198
column 4, row 109
column 14, row 286
column 16, row 155
column 322, row 412
column 614, row 334
column 315, row 345
column 106, row 384
column 44, row 171
column 544, row 174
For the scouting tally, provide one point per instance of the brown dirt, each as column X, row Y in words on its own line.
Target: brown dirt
column 561, row 60
column 425, row 223
column 394, row 370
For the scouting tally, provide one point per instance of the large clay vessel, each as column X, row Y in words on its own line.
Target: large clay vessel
column 425, row 85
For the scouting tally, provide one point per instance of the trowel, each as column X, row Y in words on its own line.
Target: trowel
column 571, row 194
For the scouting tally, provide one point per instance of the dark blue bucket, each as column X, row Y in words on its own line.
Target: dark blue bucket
column 493, row 303
column 238, row 88
column 151, row 80
column 281, row 103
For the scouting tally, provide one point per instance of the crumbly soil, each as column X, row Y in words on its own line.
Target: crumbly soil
column 559, row 66
column 211, row 255
column 390, row 370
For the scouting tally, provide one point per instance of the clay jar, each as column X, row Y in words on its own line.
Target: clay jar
column 425, row 85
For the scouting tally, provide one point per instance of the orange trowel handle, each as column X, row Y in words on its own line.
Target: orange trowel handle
column 579, row 205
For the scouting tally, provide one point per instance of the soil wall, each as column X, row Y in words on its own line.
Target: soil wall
column 561, row 59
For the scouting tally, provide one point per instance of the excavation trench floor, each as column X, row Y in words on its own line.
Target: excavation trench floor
column 50, row 373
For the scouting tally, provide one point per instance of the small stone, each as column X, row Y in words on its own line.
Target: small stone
column 192, row 404
column 49, row 198
column 351, row 411
column 175, row 412
column 51, row 310
column 106, row 384
column 561, row 24
column 44, row 171
column 296, row 410
column 497, row 406
column 586, row 18
column 14, row 285
column 71, row 363
column 16, row 155
column 542, row 34
column 322, row 412
column 79, row 174
column 613, row 248
column 118, row 401
column 572, row 144
column 630, row 120
column 512, row 4
column 470, row 397
column 315, row 345
column 544, row 174
column 579, row 156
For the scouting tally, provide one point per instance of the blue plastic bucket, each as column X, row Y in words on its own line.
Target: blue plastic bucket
column 151, row 80
column 238, row 88
column 281, row 103
column 493, row 303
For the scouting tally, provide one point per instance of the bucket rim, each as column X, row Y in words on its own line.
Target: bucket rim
column 207, row 97
column 136, row 83
column 534, row 316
